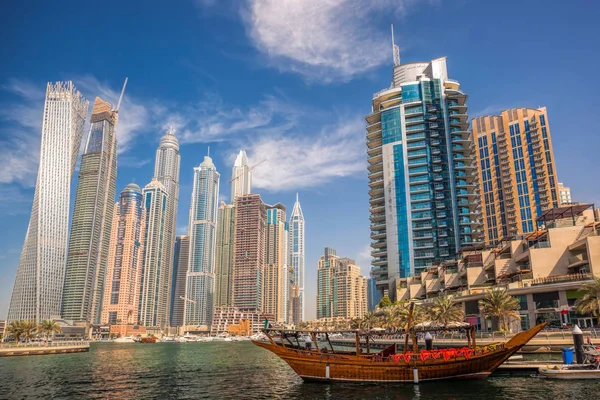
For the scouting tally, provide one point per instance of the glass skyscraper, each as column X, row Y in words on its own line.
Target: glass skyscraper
column 422, row 185
column 200, row 283
column 38, row 288
column 296, row 264
column 92, row 219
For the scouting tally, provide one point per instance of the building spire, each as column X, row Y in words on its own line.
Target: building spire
column 395, row 50
column 296, row 197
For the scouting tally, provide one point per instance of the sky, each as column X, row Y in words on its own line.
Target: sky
column 290, row 82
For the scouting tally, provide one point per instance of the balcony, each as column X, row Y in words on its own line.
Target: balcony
column 562, row 278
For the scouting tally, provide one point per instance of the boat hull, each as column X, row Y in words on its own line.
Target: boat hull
column 569, row 374
column 312, row 365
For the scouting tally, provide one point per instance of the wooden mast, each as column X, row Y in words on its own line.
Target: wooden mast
column 408, row 324
column 357, row 339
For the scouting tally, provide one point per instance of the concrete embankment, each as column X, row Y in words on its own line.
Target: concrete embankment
column 63, row 348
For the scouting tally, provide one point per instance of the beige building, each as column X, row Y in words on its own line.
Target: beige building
column 274, row 276
column 125, row 256
column 543, row 269
column 516, row 171
column 341, row 290
column 231, row 320
column 564, row 194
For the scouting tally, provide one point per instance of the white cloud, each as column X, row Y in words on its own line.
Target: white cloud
column 323, row 40
column 308, row 159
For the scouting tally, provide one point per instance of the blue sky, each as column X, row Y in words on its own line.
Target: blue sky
column 289, row 81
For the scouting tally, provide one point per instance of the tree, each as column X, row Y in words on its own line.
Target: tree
column 385, row 302
column 49, row 328
column 589, row 303
column 29, row 330
column 368, row 321
column 498, row 304
column 14, row 329
column 445, row 310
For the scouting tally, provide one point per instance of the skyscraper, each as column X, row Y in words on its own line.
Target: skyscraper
column 199, row 290
column 274, row 276
column 166, row 171
column 296, row 263
column 180, row 267
column 515, row 165
column 121, row 298
column 249, row 249
column 241, row 176
column 341, row 290
column 38, row 288
column 92, row 219
column 156, row 269
column 422, row 187
column 224, row 256
column 564, row 194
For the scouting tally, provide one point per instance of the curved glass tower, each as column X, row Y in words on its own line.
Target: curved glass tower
column 422, row 184
column 296, row 264
column 37, row 293
column 92, row 219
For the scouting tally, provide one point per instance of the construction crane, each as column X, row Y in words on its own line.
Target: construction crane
column 249, row 169
column 121, row 96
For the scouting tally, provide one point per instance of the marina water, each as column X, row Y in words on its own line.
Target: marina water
column 227, row 370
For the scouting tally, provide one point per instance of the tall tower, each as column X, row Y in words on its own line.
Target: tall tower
column 422, row 185
column 126, row 251
column 180, row 266
column 274, row 277
column 224, row 256
column 515, row 164
column 200, row 285
column 166, row 171
column 156, row 273
column 92, row 219
column 241, row 176
column 38, row 288
column 248, row 267
column 296, row 263
column 325, row 272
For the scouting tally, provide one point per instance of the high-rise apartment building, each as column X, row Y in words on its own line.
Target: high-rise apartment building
column 125, row 255
column 166, row 171
column 178, row 280
column 341, row 290
column 92, row 219
column 37, row 292
column 516, row 169
column 422, row 186
column 373, row 295
column 200, row 284
column 241, row 176
column 224, row 255
column 156, row 268
column 274, row 276
column 296, row 264
column 564, row 194
column 249, row 252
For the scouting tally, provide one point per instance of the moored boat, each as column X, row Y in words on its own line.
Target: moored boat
column 148, row 339
column 570, row 372
column 325, row 363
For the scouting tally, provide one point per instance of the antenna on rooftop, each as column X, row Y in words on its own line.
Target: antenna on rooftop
column 395, row 50
column 121, row 96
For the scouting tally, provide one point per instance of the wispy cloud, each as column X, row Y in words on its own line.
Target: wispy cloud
column 308, row 159
column 323, row 40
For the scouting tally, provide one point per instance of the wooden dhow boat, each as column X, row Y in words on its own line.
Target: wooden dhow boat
column 324, row 363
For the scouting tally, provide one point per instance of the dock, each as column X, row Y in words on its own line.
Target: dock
column 12, row 350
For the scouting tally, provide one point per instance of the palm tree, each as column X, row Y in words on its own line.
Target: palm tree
column 385, row 302
column 498, row 304
column 368, row 321
column 589, row 303
column 445, row 310
column 15, row 330
column 29, row 330
column 49, row 327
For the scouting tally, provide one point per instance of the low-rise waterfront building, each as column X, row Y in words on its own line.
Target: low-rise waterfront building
column 543, row 269
column 231, row 320
column 329, row 323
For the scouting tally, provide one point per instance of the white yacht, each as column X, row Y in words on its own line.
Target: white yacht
column 126, row 339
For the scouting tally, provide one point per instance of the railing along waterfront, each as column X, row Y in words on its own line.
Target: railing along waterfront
column 42, row 344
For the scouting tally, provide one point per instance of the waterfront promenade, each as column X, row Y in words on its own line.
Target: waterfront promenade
column 11, row 349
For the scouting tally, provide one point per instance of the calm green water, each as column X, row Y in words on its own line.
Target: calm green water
column 231, row 371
